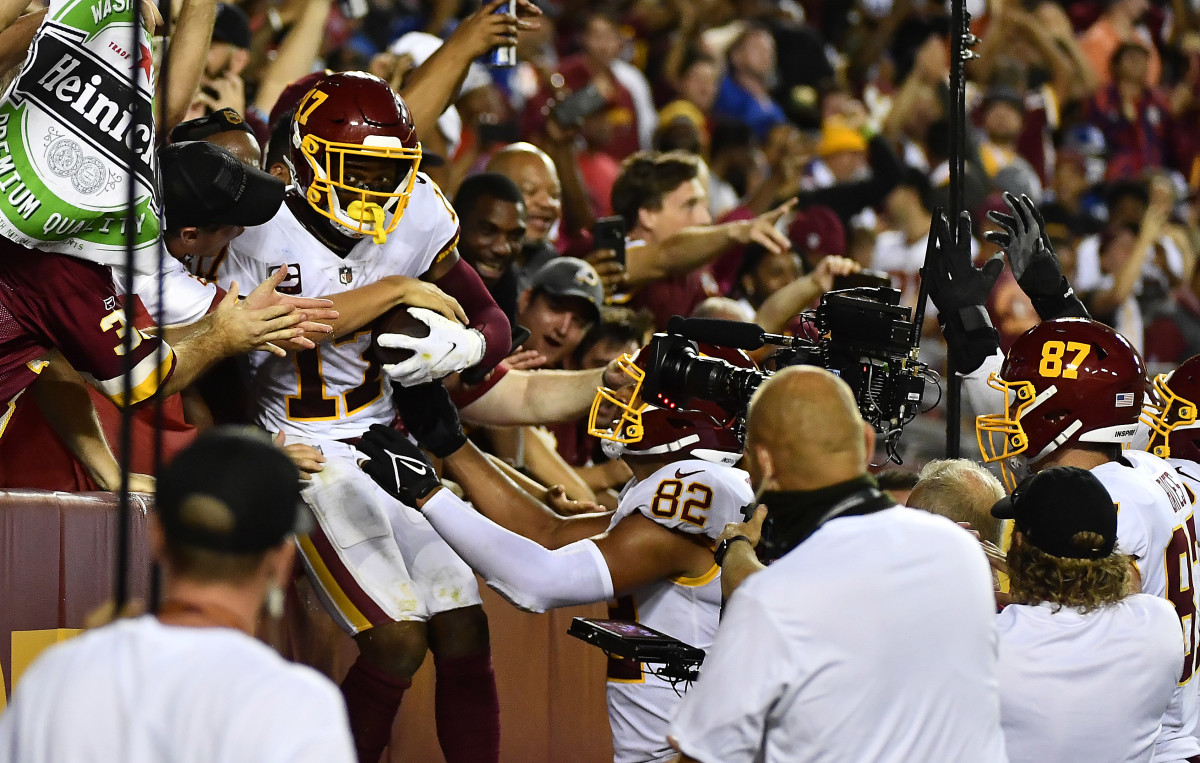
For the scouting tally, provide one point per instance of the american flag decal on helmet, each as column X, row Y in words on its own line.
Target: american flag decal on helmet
column 1125, row 400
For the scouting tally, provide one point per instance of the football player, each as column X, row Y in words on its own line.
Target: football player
column 654, row 555
column 1069, row 393
column 361, row 216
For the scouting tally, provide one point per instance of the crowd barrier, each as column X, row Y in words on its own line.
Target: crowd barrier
column 57, row 564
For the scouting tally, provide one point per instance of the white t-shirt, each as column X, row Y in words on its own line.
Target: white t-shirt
column 873, row 640
column 186, row 298
column 1087, row 687
column 138, row 691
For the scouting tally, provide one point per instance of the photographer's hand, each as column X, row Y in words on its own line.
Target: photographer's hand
column 960, row 290
column 740, row 561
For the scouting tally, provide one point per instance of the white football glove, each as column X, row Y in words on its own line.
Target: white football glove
column 449, row 347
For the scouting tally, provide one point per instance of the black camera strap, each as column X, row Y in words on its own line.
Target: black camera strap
column 796, row 514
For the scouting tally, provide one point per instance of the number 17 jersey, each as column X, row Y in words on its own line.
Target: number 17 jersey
column 335, row 391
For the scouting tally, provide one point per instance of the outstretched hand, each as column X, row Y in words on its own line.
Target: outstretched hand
column 486, row 29
column 315, row 310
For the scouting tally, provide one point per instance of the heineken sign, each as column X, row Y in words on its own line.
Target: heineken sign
column 70, row 127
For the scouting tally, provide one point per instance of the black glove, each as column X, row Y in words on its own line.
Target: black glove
column 1033, row 261
column 430, row 416
column 397, row 465
column 960, row 290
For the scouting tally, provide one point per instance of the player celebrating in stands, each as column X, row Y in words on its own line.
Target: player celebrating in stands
column 361, row 213
column 655, row 554
column 1070, row 391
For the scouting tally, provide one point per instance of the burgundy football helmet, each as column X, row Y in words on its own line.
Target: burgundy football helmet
column 1170, row 412
column 1066, row 381
column 353, row 116
column 629, row 426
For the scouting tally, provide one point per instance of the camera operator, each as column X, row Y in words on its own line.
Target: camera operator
column 793, row 673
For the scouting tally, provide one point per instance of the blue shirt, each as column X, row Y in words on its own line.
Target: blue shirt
column 734, row 101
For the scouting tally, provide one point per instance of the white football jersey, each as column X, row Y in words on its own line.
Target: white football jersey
column 333, row 392
column 694, row 497
column 1155, row 526
column 1079, row 688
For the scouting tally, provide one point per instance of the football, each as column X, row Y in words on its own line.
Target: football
column 395, row 321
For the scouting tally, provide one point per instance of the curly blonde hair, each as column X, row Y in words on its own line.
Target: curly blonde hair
column 1082, row 584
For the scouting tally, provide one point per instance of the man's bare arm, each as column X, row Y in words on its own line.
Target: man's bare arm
column 16, row 39
column 534, row 397
column 433, row 86
column 693, row 247
column 501, row 500
column 61, row 394
column 189, row 45
column 358, row 307
column 296, row 54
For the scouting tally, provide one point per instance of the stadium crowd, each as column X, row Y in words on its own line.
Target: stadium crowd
column 450, row 265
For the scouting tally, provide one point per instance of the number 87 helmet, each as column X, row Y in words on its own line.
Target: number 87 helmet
column 1066, row 382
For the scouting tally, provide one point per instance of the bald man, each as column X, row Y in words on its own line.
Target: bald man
column 871, row 635
column 534, row 173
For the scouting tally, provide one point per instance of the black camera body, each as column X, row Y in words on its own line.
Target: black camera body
column 863, row 335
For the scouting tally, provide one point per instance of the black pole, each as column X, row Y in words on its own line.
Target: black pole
column 961, row 41
column 124, row 506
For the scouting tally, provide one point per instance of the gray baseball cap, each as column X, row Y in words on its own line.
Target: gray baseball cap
column 570, row 277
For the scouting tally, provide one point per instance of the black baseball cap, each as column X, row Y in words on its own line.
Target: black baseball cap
column 570, row 277
column 203, row 184
column 240, row 469
column 1055, row 504
column 232, row 25
column 221, row 120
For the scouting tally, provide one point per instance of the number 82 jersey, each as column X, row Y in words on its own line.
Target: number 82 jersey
column 698, row 498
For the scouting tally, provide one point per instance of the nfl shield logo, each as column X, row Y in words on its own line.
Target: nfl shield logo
column 345, row 275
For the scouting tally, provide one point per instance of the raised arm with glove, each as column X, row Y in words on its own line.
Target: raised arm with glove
column 1033, row 261
column 960, row 290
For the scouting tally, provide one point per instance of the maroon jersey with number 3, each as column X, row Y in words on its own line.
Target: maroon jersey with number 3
column 54, row 302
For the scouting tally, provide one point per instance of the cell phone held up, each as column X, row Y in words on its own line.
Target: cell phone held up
column 504, row 56
column 578, row 106
column 609, row 233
